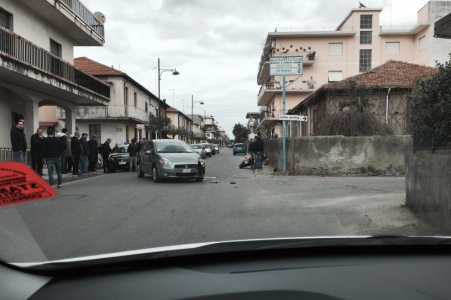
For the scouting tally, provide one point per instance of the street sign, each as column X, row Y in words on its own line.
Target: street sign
column 293, row 118
column 286, row 65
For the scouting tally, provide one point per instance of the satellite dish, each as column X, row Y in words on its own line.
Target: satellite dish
column 100, row 17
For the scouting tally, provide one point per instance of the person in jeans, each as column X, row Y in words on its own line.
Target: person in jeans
column 19, row 142
column 259, row 148
column 133, row 151
column 37, row 157
column 53, row 149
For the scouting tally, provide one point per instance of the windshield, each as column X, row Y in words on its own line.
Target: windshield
column 170, row 147
column 316, row 118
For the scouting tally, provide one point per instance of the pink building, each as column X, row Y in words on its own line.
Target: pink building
column 356, row 45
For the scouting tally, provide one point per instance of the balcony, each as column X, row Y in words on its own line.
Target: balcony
column 263, row 69
column 267, row 92
column 78, row 22
column 32, row 67
column 112, row 112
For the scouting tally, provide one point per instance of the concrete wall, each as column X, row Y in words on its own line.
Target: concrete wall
column 428, row 188
column 328, row 155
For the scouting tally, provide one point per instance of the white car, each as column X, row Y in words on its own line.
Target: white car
column 207, row 149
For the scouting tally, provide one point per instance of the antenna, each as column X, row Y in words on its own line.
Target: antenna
column 100, row 17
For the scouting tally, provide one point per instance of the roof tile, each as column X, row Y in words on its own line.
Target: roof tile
column 95, row 68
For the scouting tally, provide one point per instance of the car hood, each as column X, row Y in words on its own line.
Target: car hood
column 181, row 158
column 236, row 246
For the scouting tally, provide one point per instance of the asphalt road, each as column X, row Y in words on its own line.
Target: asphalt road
column 119, row 212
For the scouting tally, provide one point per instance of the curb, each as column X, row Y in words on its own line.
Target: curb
column 70, row 177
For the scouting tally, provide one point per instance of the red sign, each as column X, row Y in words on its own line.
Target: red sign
column 19, row 184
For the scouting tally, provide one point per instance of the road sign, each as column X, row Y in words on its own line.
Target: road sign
column 293, row 118
column 286, row 65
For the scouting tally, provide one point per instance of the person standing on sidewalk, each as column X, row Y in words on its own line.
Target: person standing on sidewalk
column 133, row 151
column 19, row 142
column 259, row 148
column 84, row 157
column 69, row 158
column 37, row 155
column 76, row 152
column 106, row 150
column 53, row 149
column 92, row 147
column 63, row 138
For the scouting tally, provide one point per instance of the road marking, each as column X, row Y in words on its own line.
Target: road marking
column 209, row 177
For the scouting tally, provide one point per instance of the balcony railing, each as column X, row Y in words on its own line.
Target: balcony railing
column 85, row 15
column 108, row 112
column 313, row 28
column 17, row 47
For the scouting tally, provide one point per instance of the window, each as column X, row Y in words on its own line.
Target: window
column 135, row 99
column 365, row 60
column 55, row 48
column 366, row 21
column 146, row 106
column 5, row 19
column 336, row 49
column 335, row 76
column 392, row 48
column 94, row 129
column 366, row 37
column 422, row 43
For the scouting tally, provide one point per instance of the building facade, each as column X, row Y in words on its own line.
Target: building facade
column 356, row 45
column 181, row 125
column 36, row 61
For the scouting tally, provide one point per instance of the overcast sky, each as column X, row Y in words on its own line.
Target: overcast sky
column 215, row 45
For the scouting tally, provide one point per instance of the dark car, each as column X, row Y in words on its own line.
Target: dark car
column 165, row 159
column 239, row 148
column 119, row 159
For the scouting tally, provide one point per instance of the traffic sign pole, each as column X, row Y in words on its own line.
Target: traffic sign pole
column 284, row 129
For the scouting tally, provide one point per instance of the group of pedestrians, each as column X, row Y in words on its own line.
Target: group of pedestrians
column 256, row 148
column 62, row 153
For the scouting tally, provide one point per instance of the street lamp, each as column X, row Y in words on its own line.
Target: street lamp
column 160, row 71
column 192, row 117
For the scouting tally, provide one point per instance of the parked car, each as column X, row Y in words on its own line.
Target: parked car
column 239, row 148
column 207, row 149
column 199, row 150
column 165, row 159
column 216, row 147
column 119, row 159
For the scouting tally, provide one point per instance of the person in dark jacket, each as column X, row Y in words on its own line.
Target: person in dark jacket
column 106, row 151
column 92, row 147
column 63, row 138
column 133, row 151
column 259, row 148
column 52, row 149
column 76, row 152
column 84, row 157
column 19, row 142
column 37, row 155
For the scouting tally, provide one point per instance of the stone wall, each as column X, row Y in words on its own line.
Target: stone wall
column 329, row 155
column 428, row 188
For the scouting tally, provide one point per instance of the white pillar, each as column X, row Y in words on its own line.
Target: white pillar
column 31, row 118
column 70, row 121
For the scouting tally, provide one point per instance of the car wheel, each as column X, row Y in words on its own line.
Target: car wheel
column 156, row 178
column 111, row 168
column 139, row 172
column 198, row 179
column 209, row 155
column 233, row 153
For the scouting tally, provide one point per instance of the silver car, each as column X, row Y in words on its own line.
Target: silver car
column 165, row 159
column 207, row 149
column 199, row 150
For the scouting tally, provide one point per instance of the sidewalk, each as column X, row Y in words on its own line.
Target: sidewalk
column 69, row 177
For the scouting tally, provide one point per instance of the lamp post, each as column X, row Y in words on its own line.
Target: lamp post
column 160, row 71
column 192, row 118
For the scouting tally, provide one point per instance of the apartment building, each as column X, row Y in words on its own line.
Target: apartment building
column 210, row 128
column 36, row 61
column 127, row 115
column 252, row 123
column 181, row 125
column 358, row 44
column 198, row 134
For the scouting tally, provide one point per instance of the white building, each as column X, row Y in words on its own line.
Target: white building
column 128, row 113
column 36, row 61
